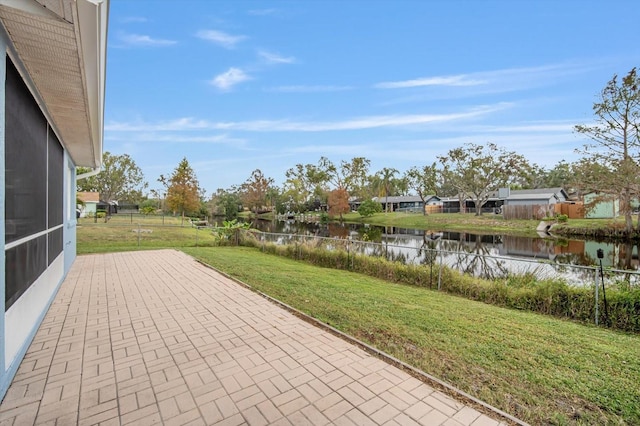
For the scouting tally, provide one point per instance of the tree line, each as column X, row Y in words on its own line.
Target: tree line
column 609, row 167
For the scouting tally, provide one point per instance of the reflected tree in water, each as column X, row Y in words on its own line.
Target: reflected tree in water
column 474, row 257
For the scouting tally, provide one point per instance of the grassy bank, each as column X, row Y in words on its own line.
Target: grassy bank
column 486, row 224
column 538, row 368
column 519, row 291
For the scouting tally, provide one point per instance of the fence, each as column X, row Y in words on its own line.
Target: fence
column 540, row 211
column 536, row 211
column 482, row 265
column 575, row 301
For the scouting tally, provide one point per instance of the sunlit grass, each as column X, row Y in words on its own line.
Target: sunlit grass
column 538, row 368
column 118, row 235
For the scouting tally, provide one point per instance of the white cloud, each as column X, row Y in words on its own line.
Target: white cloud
column 274, row 58
column 454, row 80
column 223, row 39
column 157, row 137
column 494, row 81
column 144, row 40
column 360, row 123
column 308, row 89
column 179, row 124
column 230, row 78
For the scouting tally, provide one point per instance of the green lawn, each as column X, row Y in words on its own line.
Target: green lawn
column 540, row 369
column 469, row 222
column 125, row 232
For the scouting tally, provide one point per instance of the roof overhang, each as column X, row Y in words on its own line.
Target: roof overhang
column 61, row 46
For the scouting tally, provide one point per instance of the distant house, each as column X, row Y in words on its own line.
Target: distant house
column 408, row 203
column 453, row 205
column 598, row 207
column 540, row 196
column 90, row 200
column 507, row 197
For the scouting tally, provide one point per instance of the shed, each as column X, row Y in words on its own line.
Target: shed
column 90, row 202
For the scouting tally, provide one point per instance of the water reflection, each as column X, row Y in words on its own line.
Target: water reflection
column 489, row 256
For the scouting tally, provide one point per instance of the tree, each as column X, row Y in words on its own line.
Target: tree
column 304, row 183
column 369, row 208
column 424, row 181
column 338, row 202
column 477, row 171
column 119, row 180
column 355, row 175
column 531, row 176
column 589, row 175
column 386, row 178
column 350, row 175
column 255, row 191
column 561, row 175
column 226, row 203
column 616, row 141
column 183, row 191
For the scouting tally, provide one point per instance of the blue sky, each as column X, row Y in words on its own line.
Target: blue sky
column 236, row 85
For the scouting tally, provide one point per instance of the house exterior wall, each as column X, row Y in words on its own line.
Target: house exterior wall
column 38, row 242
column 602, row 210
column 531, row 201
column 89, row 209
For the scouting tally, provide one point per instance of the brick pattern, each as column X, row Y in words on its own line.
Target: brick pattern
column 156, row 338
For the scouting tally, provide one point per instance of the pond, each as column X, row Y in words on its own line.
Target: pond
column 489, row 256
column 556, row 249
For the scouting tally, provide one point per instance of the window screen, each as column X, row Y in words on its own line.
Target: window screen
column 25, row 160
column 55, row 244
column 24, row 264
column 55, row 205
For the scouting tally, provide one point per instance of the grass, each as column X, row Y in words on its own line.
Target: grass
column 120, row 233
column 469, row 222
column 540, row 369
column 448, row 222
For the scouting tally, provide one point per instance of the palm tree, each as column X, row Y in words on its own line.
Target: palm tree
column 386, row 175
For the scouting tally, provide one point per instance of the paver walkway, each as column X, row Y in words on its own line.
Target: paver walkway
column 156, row 338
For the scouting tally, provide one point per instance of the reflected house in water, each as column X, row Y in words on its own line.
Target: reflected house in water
column 539, row 248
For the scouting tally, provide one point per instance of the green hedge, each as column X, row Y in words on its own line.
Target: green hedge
column 524, row 292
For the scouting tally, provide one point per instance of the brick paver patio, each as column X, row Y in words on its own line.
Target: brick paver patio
column 155, row 337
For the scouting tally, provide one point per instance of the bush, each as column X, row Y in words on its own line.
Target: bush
column 369, row 208
column 324, row 217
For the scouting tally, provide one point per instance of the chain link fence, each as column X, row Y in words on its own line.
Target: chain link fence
column 480, row 263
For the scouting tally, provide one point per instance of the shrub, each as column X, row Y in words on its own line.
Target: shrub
column 324, row 217
column 369, row 208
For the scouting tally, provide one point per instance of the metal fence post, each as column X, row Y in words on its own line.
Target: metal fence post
column 138, row 235
column 597, row 301
column 440, row 268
